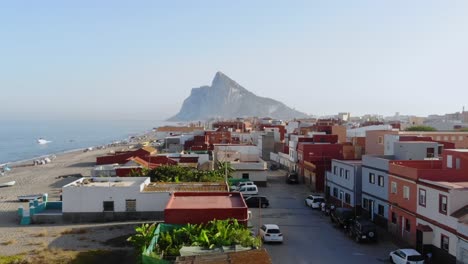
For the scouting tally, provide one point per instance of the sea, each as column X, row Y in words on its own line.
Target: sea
column 18, row 139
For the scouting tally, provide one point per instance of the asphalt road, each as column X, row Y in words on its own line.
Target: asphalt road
column 309, row 236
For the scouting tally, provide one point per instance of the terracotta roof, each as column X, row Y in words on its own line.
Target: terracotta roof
column 144, row 163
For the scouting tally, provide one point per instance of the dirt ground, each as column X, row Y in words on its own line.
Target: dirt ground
column 49, row 178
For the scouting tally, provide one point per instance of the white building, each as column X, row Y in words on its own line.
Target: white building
column 122, row 198
column 440, row 206
column 111, row 198
column 462, row 231
column 245, row 160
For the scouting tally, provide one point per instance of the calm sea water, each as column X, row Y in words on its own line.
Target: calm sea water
column 18, row 138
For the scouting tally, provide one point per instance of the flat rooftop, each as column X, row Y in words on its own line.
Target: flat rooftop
column 205, row 201
column 186, row 187
column 107, row 182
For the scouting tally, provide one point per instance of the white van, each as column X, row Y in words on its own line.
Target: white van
column 248, row 190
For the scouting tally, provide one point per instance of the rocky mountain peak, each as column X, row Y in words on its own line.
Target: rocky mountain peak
column 225, row 98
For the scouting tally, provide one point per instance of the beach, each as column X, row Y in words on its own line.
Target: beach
column 49, row 178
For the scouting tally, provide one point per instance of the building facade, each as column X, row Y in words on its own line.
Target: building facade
column 343, row 184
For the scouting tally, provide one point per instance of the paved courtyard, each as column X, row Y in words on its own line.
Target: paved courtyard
column 309, row 235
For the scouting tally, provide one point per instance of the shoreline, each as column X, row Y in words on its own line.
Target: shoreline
column 30, row 161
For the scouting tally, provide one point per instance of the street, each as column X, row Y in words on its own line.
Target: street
column 309, row 236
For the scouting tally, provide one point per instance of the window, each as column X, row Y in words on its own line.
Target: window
column 444, row 242
column 406, row 192
column 335, row 192
column 380, row 210
column 365, row 203
column 438, row 138
column 372, row 178
column 460, row 138
column 328, row 190
column 442, row 204
column 130, row 205
column 380, row 140
column 445, row 138
column 394, row 187
column 394, row 218
column 341, row 172
column 430, row 152
column 449, row 161
column 381, row 182
column 454, row 138
column 334, row 170
column 245, row 175
column 407, row 225
column 347, row 174
column 108, row 206
column 457, row 163
column 347, row 198
column 422, row 197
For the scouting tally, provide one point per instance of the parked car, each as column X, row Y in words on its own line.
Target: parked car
column 314, row 201
column 248, row 190
column 240, row 184
column 362, row 229
column 342, row 216
column 292, row 177
column 406, row 256
column 270, row 233
column 257, row 201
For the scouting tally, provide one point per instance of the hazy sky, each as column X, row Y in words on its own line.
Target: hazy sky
column 139, row 59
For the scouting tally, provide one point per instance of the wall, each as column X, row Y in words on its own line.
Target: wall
column 414, row 150
column 267, row 145
column 436, row 237
column 82, row 199
column 259, row 177
column 431, row 210
column 460, row 139
column 397, row 199
column 340, row 131
column 375, row 141
column 247, row 152
column 378, row 166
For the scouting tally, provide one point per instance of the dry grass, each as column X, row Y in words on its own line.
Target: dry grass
column 43, row 233
column 74, row 231
column 40, row 244
column 8, row 242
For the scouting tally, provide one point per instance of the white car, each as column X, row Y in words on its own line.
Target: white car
column 314, row 201
column 248, row 190
column 270, row 233
column 406, row 256
column 240, row 184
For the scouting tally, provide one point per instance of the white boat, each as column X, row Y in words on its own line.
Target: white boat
column 42, row 141
column 7, row 184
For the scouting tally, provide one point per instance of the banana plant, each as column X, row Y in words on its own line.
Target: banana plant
column 143, row 236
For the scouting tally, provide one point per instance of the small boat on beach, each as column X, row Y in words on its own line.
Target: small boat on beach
column 29, row 197
column 7, row 184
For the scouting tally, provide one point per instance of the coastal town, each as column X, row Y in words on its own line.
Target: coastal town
column 374, row 189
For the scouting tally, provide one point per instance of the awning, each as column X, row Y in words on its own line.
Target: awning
column 424, row 228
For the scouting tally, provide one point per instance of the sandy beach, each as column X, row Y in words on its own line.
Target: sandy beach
column 49, row 178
